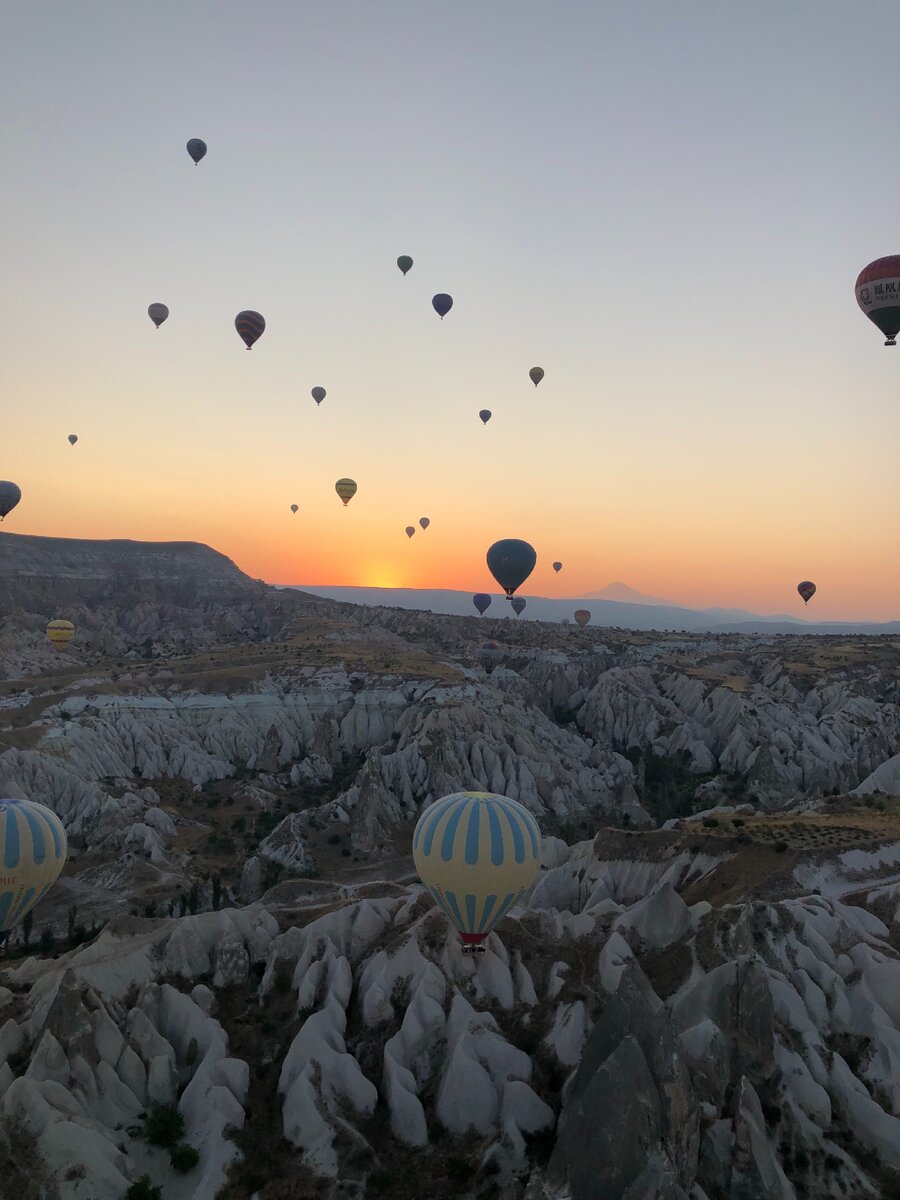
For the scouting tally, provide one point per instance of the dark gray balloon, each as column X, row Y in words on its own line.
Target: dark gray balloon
column 10, row 495
column 196, row 149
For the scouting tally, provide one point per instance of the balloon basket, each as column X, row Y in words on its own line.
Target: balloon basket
column 469, row 948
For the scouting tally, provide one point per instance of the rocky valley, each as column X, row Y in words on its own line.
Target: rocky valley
column 698, row 1002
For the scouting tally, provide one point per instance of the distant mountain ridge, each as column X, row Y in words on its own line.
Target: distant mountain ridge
column 622, row 592
column 661, row 616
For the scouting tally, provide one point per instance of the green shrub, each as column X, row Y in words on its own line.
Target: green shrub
column 164, row 1126
column 710, row 823
column 143, row 1189
column 183, row 1158
column 192, row 1052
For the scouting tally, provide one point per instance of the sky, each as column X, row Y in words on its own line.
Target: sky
column 665, row 206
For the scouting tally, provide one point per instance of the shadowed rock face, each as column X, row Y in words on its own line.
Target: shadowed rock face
column 32, row 566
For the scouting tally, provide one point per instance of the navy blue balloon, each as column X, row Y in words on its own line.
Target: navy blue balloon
column 511, row 562
column 442, row 303
column 518, row 605
column 482, row 602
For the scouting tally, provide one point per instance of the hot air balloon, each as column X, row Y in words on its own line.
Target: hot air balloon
column 424, row 522
column 518, row 605
column 196, row 149
column 404, row 262
column 511, row 562
column 10, row 495
column 477, row 854
column 60, row 633
column 485, row 415
column 442, row 303
column 73, row 438
column 346, row 489
column 878, row 295
column 250, row 326
column 536, row 374
column 318, row 394
column 582, row 616
column 410, row 530
column 807, row 590
column 157, row 314
column 32, row 853
column 557, row 567
column 482, row 602
column 295, row 508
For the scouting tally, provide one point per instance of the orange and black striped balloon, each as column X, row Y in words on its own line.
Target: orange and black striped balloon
column 250, row 326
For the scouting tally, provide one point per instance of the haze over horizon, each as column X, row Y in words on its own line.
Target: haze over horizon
column 666, row 209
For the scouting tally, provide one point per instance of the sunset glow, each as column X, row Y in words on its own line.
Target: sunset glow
column 717, row 420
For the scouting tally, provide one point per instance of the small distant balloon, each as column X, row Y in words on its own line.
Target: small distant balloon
column 490, row 655
column 73, row 438
column 442, row 303
column 518, row 605
column 295, row 508
column 807, row 590
column 536, row 374
column 318, row 394
column 410, row 530
column 404, row 262
column 424, row 522
column 157, row 314
column 196, row 149
column 878, row 295
column 482, row 602
column 60, row 633
column 557, row 567
column 250, row 326
column 346, row 489
column 10, row 495
column 582, row 616
column 510, row 562
column 485, row 415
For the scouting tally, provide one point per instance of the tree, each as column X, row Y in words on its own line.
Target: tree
column 216, row 891
column 73, row 917
column 27, row 925
column 143, row 1189
column 47, row 941
column 183, row 1158
column 194, row 899
column 164, row 1126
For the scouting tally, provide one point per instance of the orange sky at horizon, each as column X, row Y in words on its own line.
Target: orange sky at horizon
column 717, row 420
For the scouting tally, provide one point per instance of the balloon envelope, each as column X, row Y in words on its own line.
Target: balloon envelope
column 404, row 262
column 73, row 438
column 410, row 530
column 536, row 374
column 424, row 522
column 295, row 508
column 807, row 590
column 318, row 394
column 477, row 853
column 33, row 850
column 582, row 616
column 196, row 149
column 60, row 633
column 482, row 602
column 157, row 314
column 250, row 326
column 878, row 295
column 511, row 562
column 518, row 605
column 442, row 303
column 485, row 415
column 346, row 489
column 557, row 567
column 10, row 495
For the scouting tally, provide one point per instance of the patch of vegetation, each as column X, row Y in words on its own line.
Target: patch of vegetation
column 143, row 1189
column 183, row 1158
column 164, row 1126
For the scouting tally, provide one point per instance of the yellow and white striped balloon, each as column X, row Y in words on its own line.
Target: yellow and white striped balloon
column 33, row 850
column 477, row 853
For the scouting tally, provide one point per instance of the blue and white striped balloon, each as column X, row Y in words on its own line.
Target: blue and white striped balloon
column 477, row 853
column 33, row 849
